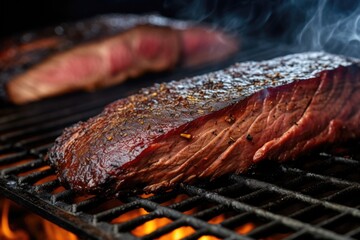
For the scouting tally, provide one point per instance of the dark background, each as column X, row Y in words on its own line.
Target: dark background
column 17, row 16
column 332, row 25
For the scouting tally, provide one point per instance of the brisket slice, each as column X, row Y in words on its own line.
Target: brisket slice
column 100, row 52
column 207, row 126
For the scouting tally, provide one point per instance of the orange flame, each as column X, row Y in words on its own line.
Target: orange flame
column 57, row 233
column 50, row 230
column 6, row 232
column 246, row 228
column 179, row 233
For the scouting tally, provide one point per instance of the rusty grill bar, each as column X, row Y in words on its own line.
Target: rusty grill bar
column 316, row 197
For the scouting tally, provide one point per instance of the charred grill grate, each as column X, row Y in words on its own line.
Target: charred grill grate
column 314, row 197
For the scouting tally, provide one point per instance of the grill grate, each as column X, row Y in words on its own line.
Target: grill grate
column 311, row 198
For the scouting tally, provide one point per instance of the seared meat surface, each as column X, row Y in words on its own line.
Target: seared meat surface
column 101, row 52
column 215, row 124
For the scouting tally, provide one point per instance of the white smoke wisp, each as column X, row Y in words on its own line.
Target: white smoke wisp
column 332, row 26
column 311, row 25
column 229, row 15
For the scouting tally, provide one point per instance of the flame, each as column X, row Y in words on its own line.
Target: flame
column 56, row 232
column 179, row 233
column 156, row 223
column 48, row 230
column 150, row 226
column 246, row 228
column 6, row 232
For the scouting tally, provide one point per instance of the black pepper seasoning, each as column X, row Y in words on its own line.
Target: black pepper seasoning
column 249, row 137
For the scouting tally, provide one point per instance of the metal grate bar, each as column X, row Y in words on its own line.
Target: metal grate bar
column 263, row 228
column 62, row 196
column 292, row 223
column 48, row 186
column 297, row 195
column 341, row 159
column 353, row 232
column 320, row 177
column 198, row 234
column 41, row 118
column 114, row 212
column 87, row 204
column 12, row 157
column 330, row 220
column 53, row 125
column 236, row 219
column 36, row 163
column 41, row 150
column 197, row 223
column 298, row 235
column 38, row 139
column 164, row 230
column 35, row 176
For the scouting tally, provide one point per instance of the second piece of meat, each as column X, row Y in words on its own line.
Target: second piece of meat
column 103, row 51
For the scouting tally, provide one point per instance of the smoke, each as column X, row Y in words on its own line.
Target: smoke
column 323, row 25
column 230, row 15
column 332, row 26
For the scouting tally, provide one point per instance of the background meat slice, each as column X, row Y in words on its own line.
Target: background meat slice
column 219, row 123
column 120, row 47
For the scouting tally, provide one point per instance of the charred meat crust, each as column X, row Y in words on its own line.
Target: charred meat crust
column 207, row 126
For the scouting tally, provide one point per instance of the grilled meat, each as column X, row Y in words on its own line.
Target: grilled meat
column 207, row 126
column 102, row 52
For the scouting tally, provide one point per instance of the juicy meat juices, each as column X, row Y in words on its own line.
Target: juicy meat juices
column 214, row 124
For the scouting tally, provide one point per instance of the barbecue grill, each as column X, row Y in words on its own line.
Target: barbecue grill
column 315, row 197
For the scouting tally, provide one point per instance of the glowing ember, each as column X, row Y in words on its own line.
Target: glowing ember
column 40, row 169
column 217, row 219
column 246, row 228
column 179, row 233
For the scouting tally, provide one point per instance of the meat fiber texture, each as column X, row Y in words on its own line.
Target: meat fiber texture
column 101, row 52
column 211, row 125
